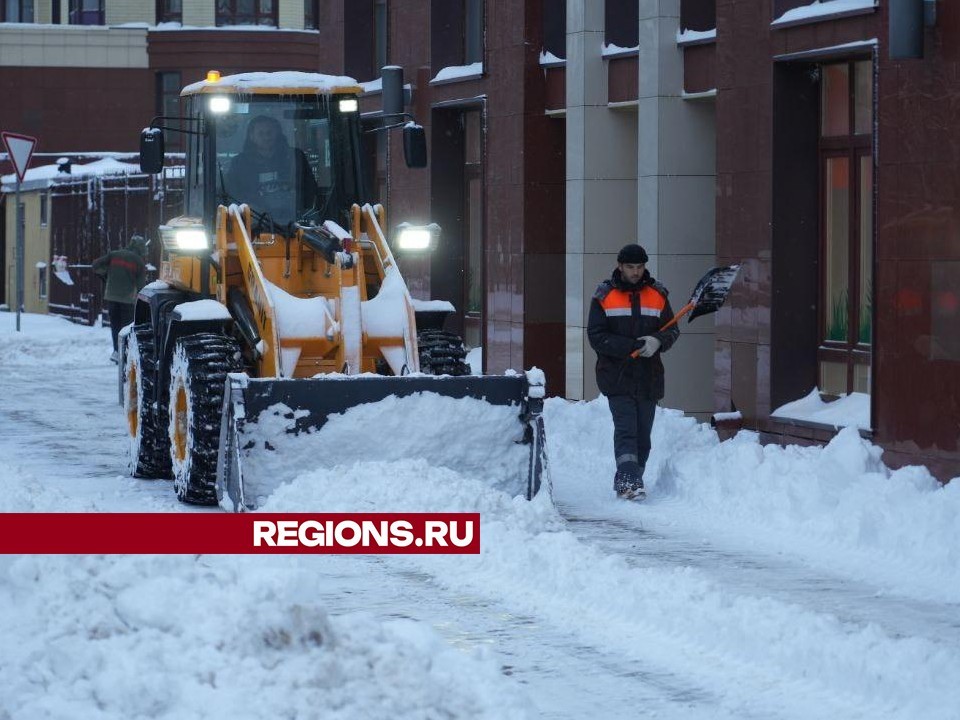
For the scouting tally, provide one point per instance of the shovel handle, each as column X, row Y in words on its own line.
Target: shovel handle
column 673, row 321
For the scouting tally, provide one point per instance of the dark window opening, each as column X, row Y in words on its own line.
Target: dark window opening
column 456, row 33
column 311, row 14
column 555, row 27
column 473, row 32
column 86, row 12
column 169, row 11
column 43, row 211
column 246, row 12
column 42, row 281
column 622, row 23
column 360, row 54
column 168, row 105
column 698, row 15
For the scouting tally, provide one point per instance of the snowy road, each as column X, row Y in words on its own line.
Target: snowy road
column 753, row 584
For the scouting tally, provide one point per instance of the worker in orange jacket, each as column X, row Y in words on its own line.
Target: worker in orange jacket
column 626, row 314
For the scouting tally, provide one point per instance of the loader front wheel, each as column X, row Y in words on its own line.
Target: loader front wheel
column 441, row 353
column 198, row 374
column 149, row 448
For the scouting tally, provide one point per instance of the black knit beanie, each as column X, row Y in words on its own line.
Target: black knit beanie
column 633, row 254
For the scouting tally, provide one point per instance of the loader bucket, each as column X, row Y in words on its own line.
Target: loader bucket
column 272, row 424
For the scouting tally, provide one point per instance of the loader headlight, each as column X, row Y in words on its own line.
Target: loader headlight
column 349, row 105
column 417, row 238
column 219, row 104
column 184, row 239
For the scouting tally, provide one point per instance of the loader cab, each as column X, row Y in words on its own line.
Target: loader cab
column 291, row 158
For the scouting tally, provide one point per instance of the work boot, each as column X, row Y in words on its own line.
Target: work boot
column 115, row 358
column 629, row 485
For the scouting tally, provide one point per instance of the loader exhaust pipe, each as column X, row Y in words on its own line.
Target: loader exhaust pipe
column 391, row 82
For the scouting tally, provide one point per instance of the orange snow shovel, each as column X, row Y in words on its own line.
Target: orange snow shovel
column 707, row 297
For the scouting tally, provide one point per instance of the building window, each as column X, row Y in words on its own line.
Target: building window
column 622, row 23
column 310, row 15
column 42, row 280
column 380, row 35
column 846, row 255
column 472, row 31
column 16, row 11
column 555, row 28
column 55, row 12
column 169, row 11
column 43, row 210
column 456, row 33
column 698, row 15
column 246, row 12
column 168, row 105
column 86, row 12
column 473, row 225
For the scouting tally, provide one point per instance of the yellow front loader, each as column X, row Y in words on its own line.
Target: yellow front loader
column 279, row 291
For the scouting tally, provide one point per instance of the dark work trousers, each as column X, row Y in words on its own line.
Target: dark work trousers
column 632, row 423
column 121, row 315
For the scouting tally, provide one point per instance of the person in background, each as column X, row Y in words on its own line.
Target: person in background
column 626, row 314
column 125, row 272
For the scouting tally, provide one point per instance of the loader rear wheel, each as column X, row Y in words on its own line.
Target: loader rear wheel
column 441, row 353
column 149, row 447
column 198, row 374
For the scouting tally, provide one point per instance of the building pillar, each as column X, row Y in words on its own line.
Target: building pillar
column 676, row 208
column 601, row 185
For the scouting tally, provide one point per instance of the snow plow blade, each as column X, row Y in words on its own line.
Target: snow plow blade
column 305, row 406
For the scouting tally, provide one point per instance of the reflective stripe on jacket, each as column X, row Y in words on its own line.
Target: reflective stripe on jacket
column 620, row 314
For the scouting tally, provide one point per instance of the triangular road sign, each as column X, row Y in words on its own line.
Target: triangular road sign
column 21, row 149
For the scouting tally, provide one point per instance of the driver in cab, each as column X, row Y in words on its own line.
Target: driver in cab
column 267, row 172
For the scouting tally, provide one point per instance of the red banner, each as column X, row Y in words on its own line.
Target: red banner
column 243, row 533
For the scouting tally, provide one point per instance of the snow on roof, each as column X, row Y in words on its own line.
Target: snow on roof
column 823, row 10
column 175, row 26
column 612, row 51
column 42, row 176
column 459, row 72
column 548, row 59
column 693, row 37
column 286, row 79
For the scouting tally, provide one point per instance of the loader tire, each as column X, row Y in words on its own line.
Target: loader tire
column 149, row 446
column 198, row 373
column 441, row 353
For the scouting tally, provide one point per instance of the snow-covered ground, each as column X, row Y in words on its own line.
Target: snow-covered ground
column 755, row 582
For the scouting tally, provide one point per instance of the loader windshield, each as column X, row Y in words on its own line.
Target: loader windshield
column 292, row 159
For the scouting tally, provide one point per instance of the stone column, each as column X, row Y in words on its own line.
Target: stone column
column 601, row 184
column 676, row 167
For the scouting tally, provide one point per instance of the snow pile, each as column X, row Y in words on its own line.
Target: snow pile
column 472, row 437
column 220, row 637
column 838, row 506
column 785, row 660
column 51, row 341
column 299, row 317
column 850, row 410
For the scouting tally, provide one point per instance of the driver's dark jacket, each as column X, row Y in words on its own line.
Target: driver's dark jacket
column 254, row 177
column 620, row 314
